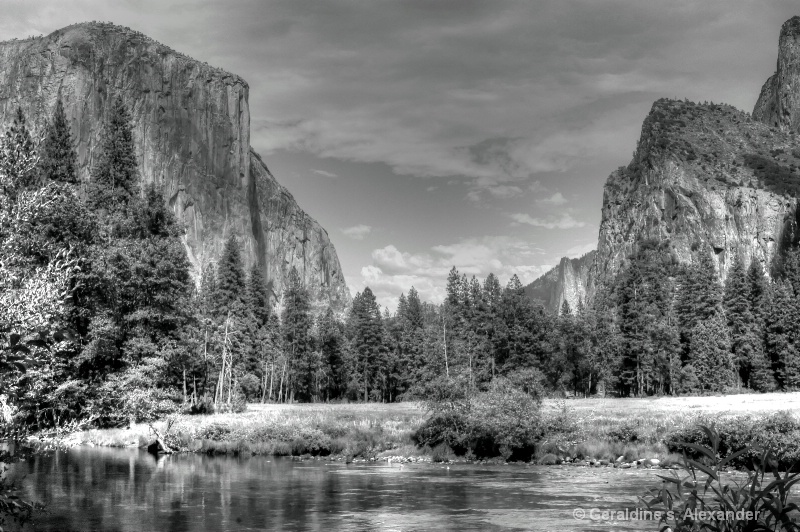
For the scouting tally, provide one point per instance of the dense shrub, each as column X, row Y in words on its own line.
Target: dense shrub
column 779, row 432
column 759, row 503
column 502, row 421
column 505, row 420
column 250, row 387
column 627, row 432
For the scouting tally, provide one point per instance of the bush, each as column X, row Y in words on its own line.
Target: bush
column 442, row 453
column 505, row 420
column 758, row 504
column 249, row 387
column 202, row 407
column 502, row 421
column 779, row 432
column 214, row 432
column 625, row 433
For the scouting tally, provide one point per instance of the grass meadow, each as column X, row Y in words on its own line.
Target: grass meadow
column 598, row 428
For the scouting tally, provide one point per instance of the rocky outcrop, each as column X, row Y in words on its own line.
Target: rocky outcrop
column 704, row 177
column 569, row 281
column 191, row 124
column 778, row 104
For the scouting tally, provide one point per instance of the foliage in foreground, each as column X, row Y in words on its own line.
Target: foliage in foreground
column 14, row 509
column 739, row 439
column 699, row 498
column 504, row 420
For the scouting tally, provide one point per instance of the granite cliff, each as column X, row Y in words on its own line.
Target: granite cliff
column 703, row 176
column 191, row 124
column 567, row 281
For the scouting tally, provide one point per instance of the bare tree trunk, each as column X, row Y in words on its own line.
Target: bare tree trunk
column 271, row 377
column 446, row 366
column 184, row 384
column 283, row 373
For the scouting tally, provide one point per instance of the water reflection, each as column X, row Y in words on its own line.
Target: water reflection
column 129, row 490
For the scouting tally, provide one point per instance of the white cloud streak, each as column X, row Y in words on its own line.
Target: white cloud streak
column 357, row 232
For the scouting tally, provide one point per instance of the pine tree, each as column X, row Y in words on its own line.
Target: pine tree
column 17, row 158
column 368, row 337
column 231, row 286
column 258, row 295
column 644, row 297
column 331, row 345
column 58, row 159
column 781, row 339
column 710, row 355
column 699, row 296
column 296, row 325
column 115, row 176
column 741, row 324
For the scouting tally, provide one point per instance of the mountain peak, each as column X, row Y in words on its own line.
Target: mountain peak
column 778, row 104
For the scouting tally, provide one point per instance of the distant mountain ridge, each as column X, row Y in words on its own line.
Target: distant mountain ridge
column 191, row 125
column 703, row 176
column 566, row 281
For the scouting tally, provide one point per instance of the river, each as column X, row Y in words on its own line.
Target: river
column 128, row 490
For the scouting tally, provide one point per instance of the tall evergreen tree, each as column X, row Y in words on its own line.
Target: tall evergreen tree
column 331, row 345
column 781, row 340
column 258, row 295
column 17, row 158
column 644, row 299
column 231, row 285
column 741, row 324
column 296, row 324
column 710, row 354
column 58, row 160
column 117, row 169
column 367, row 333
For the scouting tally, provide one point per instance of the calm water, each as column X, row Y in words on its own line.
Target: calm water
column 129, row 490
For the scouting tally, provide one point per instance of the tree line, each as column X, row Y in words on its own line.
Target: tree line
column 102, row 320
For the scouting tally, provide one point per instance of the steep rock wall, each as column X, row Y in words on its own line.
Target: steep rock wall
column 569, row 281
column 191, row 124
column 703, row 177
column 778, row 104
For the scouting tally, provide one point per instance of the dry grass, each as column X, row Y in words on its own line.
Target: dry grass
column 377, row 429
column 654, row 417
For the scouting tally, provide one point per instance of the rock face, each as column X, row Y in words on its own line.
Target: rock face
column 568, row 281
column 704, row 177
column 191, row 124
column 778, row 104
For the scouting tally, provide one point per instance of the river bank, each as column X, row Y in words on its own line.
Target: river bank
column 596, row 432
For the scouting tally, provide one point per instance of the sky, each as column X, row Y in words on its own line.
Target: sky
column 427, row 134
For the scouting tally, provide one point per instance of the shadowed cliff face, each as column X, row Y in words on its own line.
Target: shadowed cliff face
column 191, row 124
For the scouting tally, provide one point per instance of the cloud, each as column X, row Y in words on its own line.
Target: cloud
column 556, row 200
column 325, row 173
column 580, row 249
column 357, row 232
column 394, row 271
column 478, row 193
column 565, row 221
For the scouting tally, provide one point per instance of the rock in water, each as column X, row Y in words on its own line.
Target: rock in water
column 191, row 124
